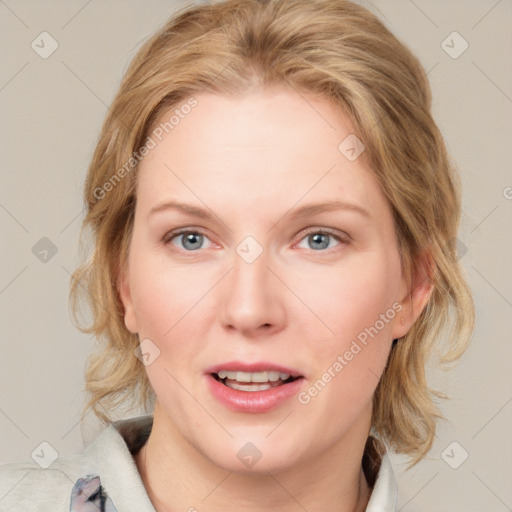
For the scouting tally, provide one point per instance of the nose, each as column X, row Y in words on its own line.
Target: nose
column 252, row 300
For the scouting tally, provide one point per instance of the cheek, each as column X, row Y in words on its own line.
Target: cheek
column 356, row 302
column 166, row 297
column 169, row 303
column 173, row 306
column 348, row 298
column 154, row 307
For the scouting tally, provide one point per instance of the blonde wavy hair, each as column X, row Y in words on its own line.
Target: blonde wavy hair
column 341, row 52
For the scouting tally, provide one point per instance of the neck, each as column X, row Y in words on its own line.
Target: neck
column 177, row 477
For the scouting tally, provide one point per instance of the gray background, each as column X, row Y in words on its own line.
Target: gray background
column 52, row 110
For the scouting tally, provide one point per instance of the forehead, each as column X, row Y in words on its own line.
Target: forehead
column 266, row 147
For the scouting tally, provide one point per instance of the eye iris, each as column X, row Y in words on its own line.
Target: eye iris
column 193, row 238
column 321, row 238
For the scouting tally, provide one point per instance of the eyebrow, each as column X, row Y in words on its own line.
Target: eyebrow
column 302, row 211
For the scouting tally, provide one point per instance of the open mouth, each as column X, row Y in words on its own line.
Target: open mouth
column 253, row 381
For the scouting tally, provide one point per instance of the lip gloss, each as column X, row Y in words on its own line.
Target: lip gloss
column 253, row 401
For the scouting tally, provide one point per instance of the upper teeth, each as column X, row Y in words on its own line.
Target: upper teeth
column 253, row 376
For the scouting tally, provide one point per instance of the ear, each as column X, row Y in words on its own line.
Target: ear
column 123, row 288
column 415, row 292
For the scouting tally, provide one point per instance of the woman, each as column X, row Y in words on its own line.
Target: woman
column 274, row 217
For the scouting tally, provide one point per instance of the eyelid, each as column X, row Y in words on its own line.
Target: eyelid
column 175, row 233
column 341, row 236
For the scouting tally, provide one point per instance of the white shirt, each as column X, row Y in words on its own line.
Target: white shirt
column 104, row 478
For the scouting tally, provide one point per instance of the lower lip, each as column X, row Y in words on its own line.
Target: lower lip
column 253, row 401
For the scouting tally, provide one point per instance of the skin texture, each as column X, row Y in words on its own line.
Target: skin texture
column 249, row 160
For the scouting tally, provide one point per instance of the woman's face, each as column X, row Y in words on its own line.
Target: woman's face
column 260, row 244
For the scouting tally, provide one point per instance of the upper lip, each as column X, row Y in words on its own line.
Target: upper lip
column 260, row 366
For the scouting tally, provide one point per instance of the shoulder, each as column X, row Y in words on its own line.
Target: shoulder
column 25, row 486
column 105, row 469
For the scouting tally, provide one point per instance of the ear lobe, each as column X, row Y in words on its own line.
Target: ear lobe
column 416, row 295
column 123, row 288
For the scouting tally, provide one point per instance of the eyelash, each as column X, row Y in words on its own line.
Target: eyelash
column 171, row 235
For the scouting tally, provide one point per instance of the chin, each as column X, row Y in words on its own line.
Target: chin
column 253, row 452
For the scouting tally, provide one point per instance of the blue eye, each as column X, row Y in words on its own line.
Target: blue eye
column 320, row 239
column 191, row 240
